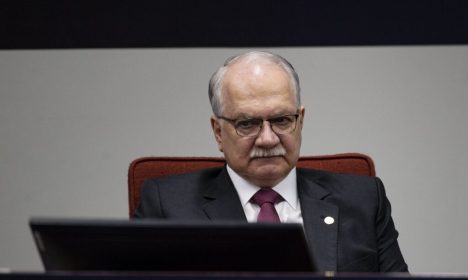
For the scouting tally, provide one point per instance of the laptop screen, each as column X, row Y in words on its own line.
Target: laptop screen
column 164, row 245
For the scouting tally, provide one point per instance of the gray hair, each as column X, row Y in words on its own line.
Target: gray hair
column 216, row 81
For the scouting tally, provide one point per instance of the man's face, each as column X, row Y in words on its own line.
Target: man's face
column 258, row 90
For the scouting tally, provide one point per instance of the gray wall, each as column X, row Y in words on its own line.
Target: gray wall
column 72, row 120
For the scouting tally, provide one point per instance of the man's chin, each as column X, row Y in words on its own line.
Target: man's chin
column 268, row 164
column 267, row 167
column 266, row 177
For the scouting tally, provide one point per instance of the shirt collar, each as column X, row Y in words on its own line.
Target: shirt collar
column 287, row 188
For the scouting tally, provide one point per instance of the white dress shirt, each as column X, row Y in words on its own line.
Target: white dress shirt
column 289, row 210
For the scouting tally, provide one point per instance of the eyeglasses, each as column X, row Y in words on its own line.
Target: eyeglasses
column 251, row 127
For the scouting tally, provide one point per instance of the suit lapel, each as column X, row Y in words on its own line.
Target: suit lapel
column 322, row 237
column 221, row 199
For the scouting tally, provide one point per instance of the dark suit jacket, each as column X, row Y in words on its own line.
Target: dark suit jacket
column 362, row 238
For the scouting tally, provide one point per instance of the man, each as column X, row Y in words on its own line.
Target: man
column 257, row 122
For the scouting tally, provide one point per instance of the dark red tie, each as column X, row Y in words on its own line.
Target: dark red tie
column 266, row 198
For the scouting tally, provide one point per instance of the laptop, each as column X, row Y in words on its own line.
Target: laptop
column 155, row 245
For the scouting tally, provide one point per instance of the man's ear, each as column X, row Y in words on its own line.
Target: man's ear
column 217, row 132
column 302, row 114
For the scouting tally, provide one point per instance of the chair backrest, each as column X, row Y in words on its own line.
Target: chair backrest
column 145, row 168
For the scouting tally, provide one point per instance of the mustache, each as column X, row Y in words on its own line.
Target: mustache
column 272, row 152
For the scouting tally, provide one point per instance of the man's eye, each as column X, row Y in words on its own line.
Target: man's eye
column 247, row 123
column 285, row 120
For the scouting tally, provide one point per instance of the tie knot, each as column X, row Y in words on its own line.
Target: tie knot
column 266, row 195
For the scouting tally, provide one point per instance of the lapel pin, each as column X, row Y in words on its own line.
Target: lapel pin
column 329, row 220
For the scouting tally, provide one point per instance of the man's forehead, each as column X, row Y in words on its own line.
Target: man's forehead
column 256, row 75
column 267, row 104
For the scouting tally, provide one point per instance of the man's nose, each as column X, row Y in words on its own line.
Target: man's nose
column 267, row 137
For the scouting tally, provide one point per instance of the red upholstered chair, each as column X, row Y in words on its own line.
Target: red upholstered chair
column 153, row 167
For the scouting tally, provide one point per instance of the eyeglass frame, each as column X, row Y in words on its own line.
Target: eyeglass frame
column 234, row 122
